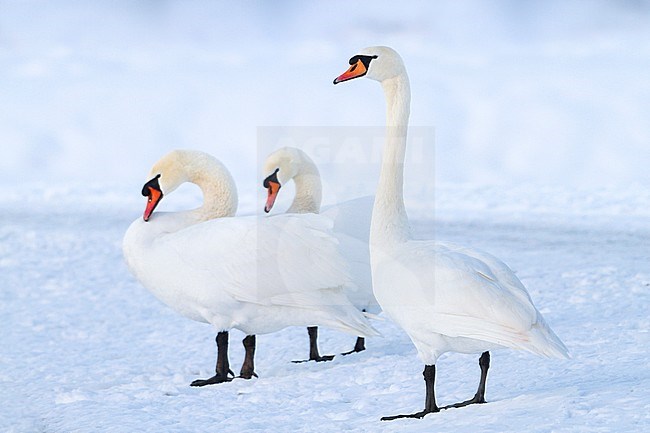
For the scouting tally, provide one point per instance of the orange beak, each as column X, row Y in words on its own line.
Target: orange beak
column 153, row 200
column 273, row 189
column 154, row 194
column 356, row 70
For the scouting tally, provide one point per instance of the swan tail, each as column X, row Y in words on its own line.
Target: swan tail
column 544, row 342
column 330, row 308
column 355, row 323
column 538, row 339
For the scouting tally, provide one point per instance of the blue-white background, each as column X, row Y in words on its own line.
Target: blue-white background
column 532, row 142
column 553, row 92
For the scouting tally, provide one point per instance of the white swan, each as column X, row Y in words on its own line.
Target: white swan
column 351, row 227
column 254, row 274
column 447, row 298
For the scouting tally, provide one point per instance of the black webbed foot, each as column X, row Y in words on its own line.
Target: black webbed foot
column 217, row 378
column 477, row 399
column 359, row 346
column 222, row 364
column 430, row 405
column 417, row 415
column 314, row 355
column 247, row 375
column 323, row 358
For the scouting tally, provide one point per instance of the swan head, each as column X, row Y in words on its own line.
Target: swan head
column 289, row 163
column 377, row 63
column 154, row 194
column 281, row 166
column 165, row 176
column 180, row 166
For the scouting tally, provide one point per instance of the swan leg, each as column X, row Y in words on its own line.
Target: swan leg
column 223, row 366
column 479, row 397
column 248, row 367
column 430, row 401
column 359, row 346
column 313, row 347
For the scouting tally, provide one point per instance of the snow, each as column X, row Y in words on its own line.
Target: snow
column 530, row 142
column 86, row 348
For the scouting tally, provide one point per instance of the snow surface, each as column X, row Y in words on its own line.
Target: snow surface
column 85, row 348
column 517, row 94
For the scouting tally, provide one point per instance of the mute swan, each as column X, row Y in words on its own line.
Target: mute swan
column 255, row 274
column 447, row 298
column 289, row 163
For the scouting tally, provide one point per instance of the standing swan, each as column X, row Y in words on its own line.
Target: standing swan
column 258, row 275
column 447, row 298
column 289, row 163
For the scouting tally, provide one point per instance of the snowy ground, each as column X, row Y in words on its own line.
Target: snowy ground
column 85, row 348
column 513, row 91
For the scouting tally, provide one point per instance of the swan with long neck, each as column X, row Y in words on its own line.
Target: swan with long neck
column 254, row 274
column 446, row 297
column 289, row 163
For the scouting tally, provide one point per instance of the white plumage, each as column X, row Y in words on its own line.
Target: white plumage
column 447, row 298
column 254, row 274
column 451, row 298
column 351, row 221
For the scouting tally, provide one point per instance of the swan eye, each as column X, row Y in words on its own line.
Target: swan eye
column 152, row 184
column 364, row 59
column 272, row 178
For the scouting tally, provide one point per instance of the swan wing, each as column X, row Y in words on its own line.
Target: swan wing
column 352, row 229
column 352, row 217
column 471, row 294
column 282, row 260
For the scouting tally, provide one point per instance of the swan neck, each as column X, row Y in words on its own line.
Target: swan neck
column 389, row 220
column 219, row 195
column 309, row 190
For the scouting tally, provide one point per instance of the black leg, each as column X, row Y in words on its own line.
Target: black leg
column 248, row 367
column 313, row 347
column 479, row 397
column 223, row 366
column 430, row 401
column 359, row 346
